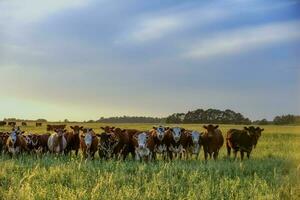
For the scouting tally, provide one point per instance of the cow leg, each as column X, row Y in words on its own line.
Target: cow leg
column 248, row 155
column 76, row 152
column 228, row 150
column 154, row 156
column 242, row 154
column 235, row 154
column 215, row 155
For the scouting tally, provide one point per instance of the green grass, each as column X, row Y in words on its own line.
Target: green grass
column 273, row 172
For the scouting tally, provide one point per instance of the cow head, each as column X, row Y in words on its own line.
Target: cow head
column 142, row 139
column 176, row 133
column 76, row 129
column 254, row 133
column 108, row 129
column 14, row 134
column 211, row 129
column 195, row 137
column 60, row 132
column 88, row 137
column 160, row 132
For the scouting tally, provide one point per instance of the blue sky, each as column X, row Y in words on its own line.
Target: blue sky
column 83, row 59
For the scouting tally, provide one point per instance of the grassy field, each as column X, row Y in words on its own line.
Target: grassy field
column 273, row 172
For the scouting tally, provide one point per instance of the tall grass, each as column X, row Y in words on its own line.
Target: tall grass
column 273, row 172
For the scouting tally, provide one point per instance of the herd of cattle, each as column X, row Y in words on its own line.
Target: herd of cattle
column 118, row 143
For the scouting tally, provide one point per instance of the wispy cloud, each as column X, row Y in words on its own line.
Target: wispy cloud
column 243, row 39
column 27, row 11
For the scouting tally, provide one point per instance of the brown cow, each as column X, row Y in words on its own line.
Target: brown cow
column 161, row 141
column 57, row 142
column 2, row 123
column 40, row 142
column 73, row 139
column 144, row 146
column 16, row 143
column 54, row 127
column 3, row 139
column 37, row 124
column 106, row 146
column 242, row 140
column 89, row 143
column 24, row 124
column 13, row 124
column 213, row 140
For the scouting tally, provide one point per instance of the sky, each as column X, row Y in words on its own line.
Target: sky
column 84, row 59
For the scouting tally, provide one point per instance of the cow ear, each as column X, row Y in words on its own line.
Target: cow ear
column 182, row 129
column 112, row 128
column 262, row 129
column 81, row 127
column 64, row 130
column 167, row 128
column 123, row 131
column 205, row 126
column 72, row 127
column 102, row 128
column 217, row 126
column 246, row 128
column 154, row 127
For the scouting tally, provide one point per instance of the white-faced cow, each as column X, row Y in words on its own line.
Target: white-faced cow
column 57, row 142
column 177, row 142
column 89, row 143
column 144, row 146
column 194, row 143
column 16, row 143
column 161, row 141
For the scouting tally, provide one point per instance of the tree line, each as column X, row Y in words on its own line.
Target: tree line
column 198, row 116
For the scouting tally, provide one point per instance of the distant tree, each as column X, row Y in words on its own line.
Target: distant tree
column 208, row 116
column 285, row 119
column 41, row 120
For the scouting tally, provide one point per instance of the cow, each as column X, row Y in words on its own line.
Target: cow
column 3, row 139
column 73, row 139
column 122, row 142
column 54, row 127
column 144, row 146
column 107, row 144
column 2, row 123
column 40, row 142
column 178, row 142
column 37, row 124
column 16, row 143
column 108, row 129
column 213, row 140
column 24, row 124
column 89, row 143
column 161, row 141
column 57, row 142
column 242, row 140
column 13, row 124
column 194, row 143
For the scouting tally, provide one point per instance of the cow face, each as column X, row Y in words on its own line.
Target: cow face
column 76, row 129
column 195, row 137
column 142, row 139
column 88, row 137
column 211, row 129
column 108, row 129
column 160, row 132
column 60, row 132
column 176, row 133
column 254, row 133
column 14, row 134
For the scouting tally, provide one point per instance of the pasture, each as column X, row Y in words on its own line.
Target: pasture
column 273, row 172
